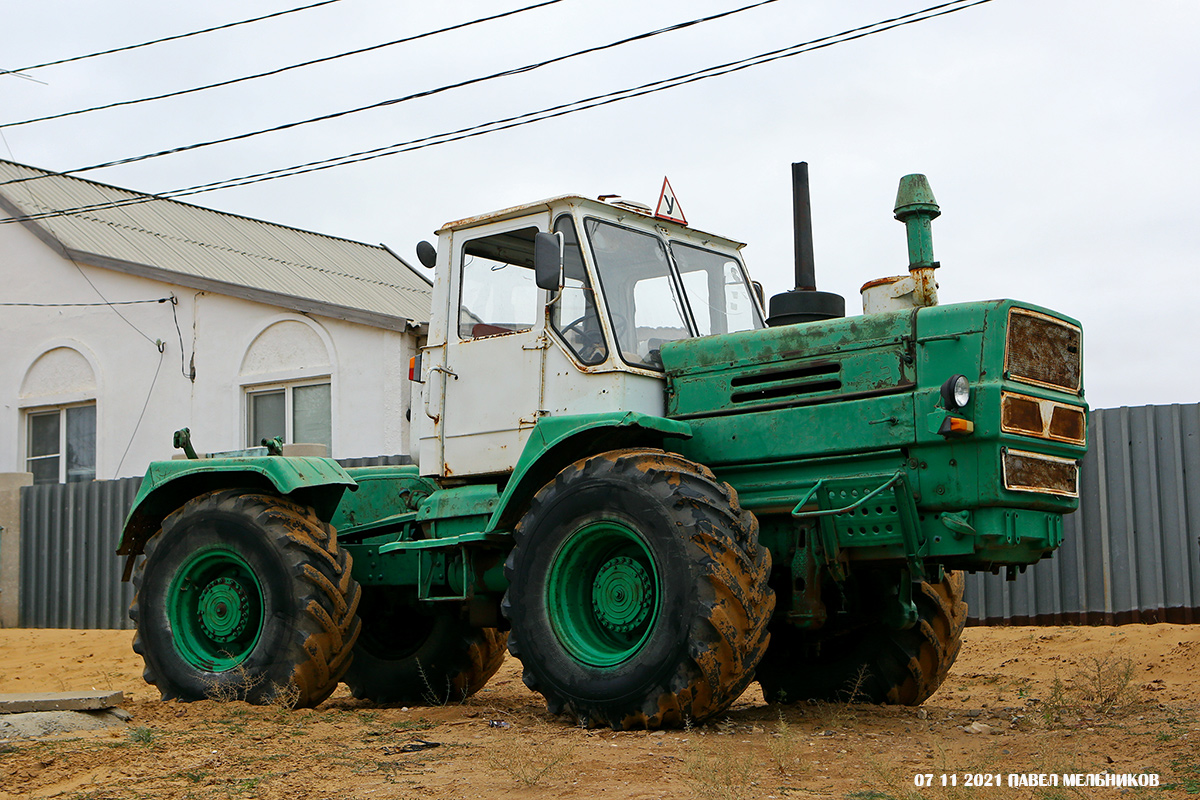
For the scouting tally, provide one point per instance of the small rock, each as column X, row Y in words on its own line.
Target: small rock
column 974, row 712
column 978, row 727
column 922, row 714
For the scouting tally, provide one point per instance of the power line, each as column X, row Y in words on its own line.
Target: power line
column 280, row 70
column 533, row 116
column 86, row 305
column 406, row 98
column 168, row 38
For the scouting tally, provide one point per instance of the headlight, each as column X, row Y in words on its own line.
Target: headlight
column 956, row 392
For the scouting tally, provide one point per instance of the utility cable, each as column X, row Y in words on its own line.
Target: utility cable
column 191, row 376
column 161, row 353
column 280, row 69
column 529, row 117
column 87, row 305
column 167, row 38
column 406, row 98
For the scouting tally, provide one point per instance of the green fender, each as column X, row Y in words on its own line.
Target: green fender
column 558, row 441
column 315, row 482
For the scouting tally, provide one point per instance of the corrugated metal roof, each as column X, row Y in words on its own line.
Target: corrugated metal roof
column 216, row 251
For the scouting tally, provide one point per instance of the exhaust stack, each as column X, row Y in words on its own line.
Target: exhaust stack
column 804, row 303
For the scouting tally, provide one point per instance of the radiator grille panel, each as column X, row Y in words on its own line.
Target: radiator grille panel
column 1043, row 350
column 1034, row 472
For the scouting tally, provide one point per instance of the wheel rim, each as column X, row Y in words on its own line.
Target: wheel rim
column 602, row 594
column 215, row 608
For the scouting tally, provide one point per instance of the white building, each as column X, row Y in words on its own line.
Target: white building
column 139, row 316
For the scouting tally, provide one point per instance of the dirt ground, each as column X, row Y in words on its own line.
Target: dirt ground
column 1041, row 701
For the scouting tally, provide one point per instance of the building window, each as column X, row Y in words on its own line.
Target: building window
column 61, row 444
column 296, row 412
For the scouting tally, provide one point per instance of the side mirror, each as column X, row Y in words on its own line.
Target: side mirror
column 758, row 292
column 548, row 260
column 427, row 254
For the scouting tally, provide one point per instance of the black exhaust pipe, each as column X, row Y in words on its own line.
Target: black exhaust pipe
column 804, row 303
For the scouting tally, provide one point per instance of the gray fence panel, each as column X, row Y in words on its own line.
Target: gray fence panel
column 376, row 461
column 70, row 573
column 1130, row 553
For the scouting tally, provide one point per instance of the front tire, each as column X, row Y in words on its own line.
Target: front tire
column 245, row 596
column 638, row 592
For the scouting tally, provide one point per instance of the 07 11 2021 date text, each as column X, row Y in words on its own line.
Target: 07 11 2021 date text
column 980, row 779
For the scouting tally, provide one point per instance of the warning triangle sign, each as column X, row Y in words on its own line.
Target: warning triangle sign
column 668, row 207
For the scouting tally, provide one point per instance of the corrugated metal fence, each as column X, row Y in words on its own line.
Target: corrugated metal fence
column 1130, row 554
column 70, row 575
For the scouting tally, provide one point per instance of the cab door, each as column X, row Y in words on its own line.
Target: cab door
column 495, row 348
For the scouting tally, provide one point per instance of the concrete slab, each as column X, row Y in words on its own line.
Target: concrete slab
column 36, row 724
column 59, row 701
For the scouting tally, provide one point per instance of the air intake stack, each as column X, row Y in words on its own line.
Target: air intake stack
column 804, row 303
column 916, row 208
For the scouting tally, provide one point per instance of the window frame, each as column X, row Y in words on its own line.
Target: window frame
column 287, row 387
column 59, row 409
column 464, row 260
column 679, row 296
column 755, row 311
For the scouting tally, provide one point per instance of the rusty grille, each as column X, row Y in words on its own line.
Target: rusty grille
column 1034, row 472
column 1043, row 350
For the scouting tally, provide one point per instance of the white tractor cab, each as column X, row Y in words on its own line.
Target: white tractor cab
column 508, row 346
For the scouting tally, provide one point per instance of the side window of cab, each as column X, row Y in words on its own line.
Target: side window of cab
column 497, row 294
column 573, row 313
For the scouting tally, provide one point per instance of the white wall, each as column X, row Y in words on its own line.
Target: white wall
column 368, row 366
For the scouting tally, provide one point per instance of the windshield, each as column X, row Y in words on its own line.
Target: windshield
column 716, row 291
column 645, row 291
column 639, row 289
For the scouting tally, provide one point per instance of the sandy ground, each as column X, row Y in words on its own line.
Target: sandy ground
column 1041, row 701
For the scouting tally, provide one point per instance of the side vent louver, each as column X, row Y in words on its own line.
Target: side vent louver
column 797, row 381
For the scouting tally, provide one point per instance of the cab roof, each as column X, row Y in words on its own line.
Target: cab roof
column 608, row 208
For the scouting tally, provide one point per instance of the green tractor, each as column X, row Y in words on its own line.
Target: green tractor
column 636, row 482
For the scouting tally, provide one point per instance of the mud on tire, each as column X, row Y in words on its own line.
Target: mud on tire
column 870, row 663
column 638, row 592
column 245, row 596
column 416, row 653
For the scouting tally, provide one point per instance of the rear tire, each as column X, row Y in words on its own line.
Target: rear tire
column 245, row 596
column 420, row 653
column 870, row 663
column 638, row 592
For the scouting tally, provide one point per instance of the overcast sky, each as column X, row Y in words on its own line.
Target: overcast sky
column 1059, row 136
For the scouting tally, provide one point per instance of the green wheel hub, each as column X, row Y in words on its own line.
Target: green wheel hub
column 602, row 593
column 223, row 610
column 215, row 608
column 621, row 594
